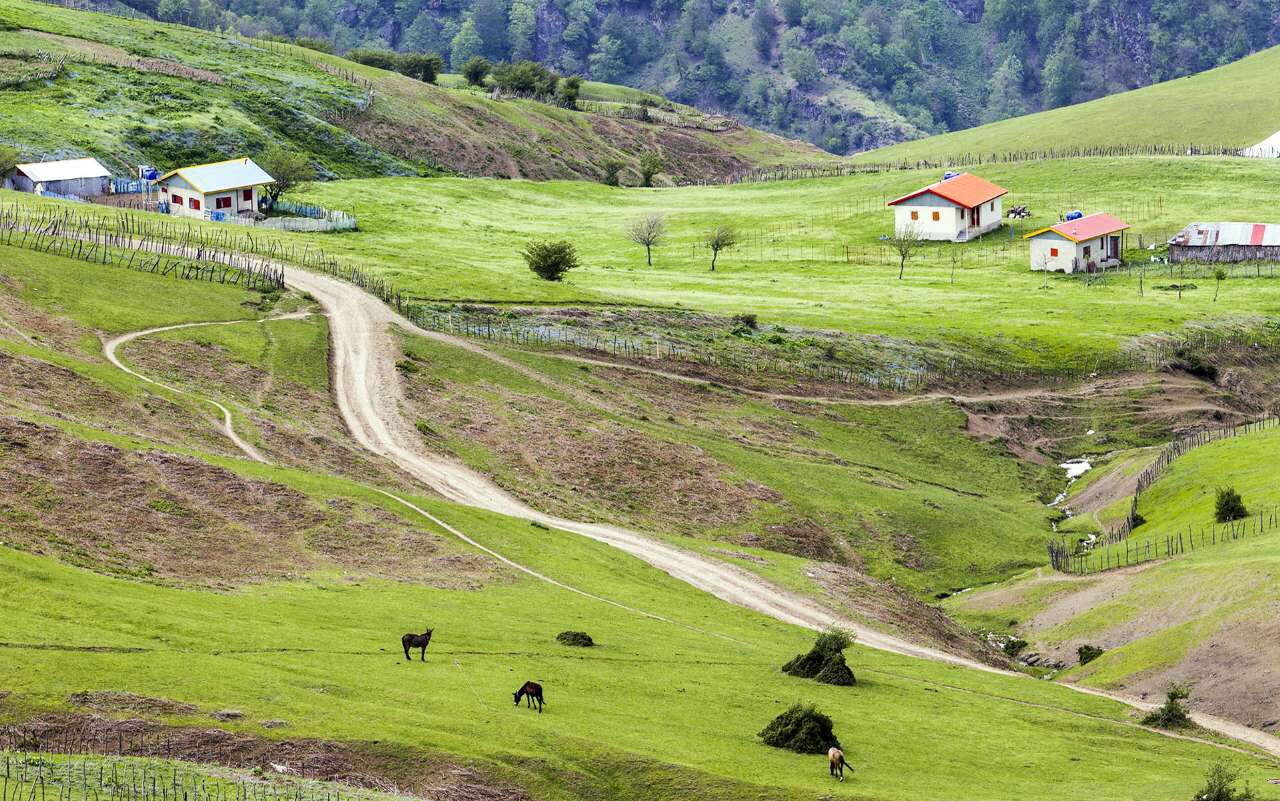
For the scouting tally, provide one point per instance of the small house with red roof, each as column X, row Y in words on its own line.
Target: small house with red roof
column 958, row 208
column 1087, row 243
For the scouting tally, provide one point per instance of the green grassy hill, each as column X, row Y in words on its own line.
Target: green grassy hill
column 143, row 92
column 1188, row 618
column 295, row 618
column 1231, row 106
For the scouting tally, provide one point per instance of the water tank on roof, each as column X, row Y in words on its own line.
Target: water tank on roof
column 1075, row 214
column 947, row 176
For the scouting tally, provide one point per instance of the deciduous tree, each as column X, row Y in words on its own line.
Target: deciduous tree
column 906, row 241
column 647, row 232
column 722, row 237
column 291, row 170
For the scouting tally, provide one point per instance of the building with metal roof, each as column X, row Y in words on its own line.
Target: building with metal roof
column 214, row 191
column 958, row 208
column 69, row 177
column 1090, row 243
column 1226, row 242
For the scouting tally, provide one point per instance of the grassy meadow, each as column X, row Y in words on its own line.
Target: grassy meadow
column 791, row 268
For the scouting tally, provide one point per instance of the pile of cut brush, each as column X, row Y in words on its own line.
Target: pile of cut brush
column 825, row 661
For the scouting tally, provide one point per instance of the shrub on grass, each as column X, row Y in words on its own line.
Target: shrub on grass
column 1229, row 506
column 612, row 172
column 1172, row 714
column 575, row 639
column 550, row 260
column 476, row 70
column 825, row 661
column 802, row 729
column 1088, row 653
column 1220, row 785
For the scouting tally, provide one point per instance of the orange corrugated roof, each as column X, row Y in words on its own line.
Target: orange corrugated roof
column 966, row 189
column 1085, row 228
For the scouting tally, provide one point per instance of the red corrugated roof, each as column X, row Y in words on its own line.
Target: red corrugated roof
column 1085, row 228
column 966, row 189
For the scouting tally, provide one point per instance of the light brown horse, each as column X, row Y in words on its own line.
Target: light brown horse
column 835, row 760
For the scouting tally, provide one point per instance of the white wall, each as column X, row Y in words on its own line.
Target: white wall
column 1042, row 257
column 951, row 221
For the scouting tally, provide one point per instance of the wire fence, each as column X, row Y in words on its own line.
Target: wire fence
column 93, row 239
column 1065, row 559
column 35, row 775
column 974, row 159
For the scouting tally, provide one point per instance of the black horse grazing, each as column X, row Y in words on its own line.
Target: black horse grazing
column 531, row 691
column 416, row 641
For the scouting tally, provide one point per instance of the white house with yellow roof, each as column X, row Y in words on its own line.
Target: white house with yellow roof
column 214, row 191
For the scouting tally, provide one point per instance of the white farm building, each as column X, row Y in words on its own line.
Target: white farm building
column 69, row 177
column 1089, row 243
column 214, row 191
column 956, row 209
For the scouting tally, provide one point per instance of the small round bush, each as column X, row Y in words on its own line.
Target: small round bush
column 1088, row 653
column 576, row 639
column 550, row 260
column 802, row 729
column 1229, row 506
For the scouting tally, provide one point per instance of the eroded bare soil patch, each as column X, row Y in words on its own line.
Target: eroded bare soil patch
column 176, row 519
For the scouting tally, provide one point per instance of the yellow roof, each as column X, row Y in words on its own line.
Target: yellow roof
column 219, row 176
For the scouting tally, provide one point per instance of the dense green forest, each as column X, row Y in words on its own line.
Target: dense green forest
column 844, row 74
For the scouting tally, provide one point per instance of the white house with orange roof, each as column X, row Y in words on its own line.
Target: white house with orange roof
column 1088, row 243
column 958, row 208
column 214, row 191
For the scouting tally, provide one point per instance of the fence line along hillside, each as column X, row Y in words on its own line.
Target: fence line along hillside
column 846, row 168
column 1171, row 452
column 1065, row 559
column 26, row 776
column 62, row 233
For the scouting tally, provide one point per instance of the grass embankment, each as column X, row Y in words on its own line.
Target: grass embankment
column 681, row 701
column 138, row 91
column 1232, row 105
column 901, row 492
column 1187, row 618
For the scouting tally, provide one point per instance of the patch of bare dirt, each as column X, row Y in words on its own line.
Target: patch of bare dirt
column 298, row 424
column 799, row 537
column 172, row 518
column 570, row 461
column 900, row 612
column 370, row 765
column 115, row 701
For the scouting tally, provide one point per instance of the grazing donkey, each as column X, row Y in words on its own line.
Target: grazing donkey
column 836, row 762
column 416, row 641
column 531, row 691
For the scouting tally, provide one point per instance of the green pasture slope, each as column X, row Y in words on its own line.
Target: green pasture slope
column 1232, row 106
column 662, row 709
column 460, row 240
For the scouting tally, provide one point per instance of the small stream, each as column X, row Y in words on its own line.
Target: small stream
column 1075, row 468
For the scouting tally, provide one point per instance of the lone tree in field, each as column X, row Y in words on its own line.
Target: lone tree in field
column 722, row 237
column 1219, row 275
column 650, row 165
column 550, row 260
column 905, row 242
column 646, row 232
column 291, row 170
column 476, row 70
column 1228, row 505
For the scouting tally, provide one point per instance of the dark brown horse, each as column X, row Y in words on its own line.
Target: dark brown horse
column 416, row 641
column 531, row 691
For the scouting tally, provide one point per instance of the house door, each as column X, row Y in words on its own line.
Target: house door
column 1113, row 248
column 973, row 217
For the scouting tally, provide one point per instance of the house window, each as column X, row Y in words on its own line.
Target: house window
column 195, row 204
column 915, row 215
column 993, row 205
column 164, row 189
column 1053, row 253
column 248, row 196
column 223, row 202
column 177, row 200
column 1088, row 251
column 937, row 215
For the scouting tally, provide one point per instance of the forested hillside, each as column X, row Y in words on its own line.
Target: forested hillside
column 844, row 74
